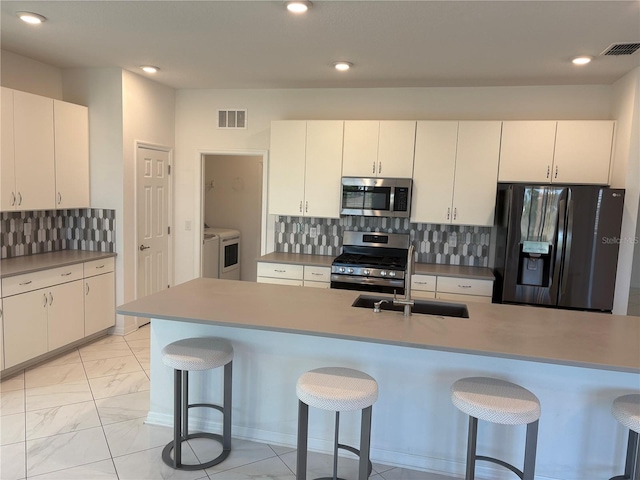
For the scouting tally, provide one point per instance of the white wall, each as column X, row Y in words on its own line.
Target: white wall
column 625, row 107
column 27, row 75
column 196, row 125
column 235, row 201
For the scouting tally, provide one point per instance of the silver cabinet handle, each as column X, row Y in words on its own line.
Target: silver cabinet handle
column 380, row 167
column 556, row 175
column 317, row 274
column 13, row 199
column 65, row 274
column 421, row 283
column 300, row 206
column 100, row 266
column 19, row 199
column 448, row 213
column 455, row 213
column 279, row 271
column 0, row 313
column 50, row 299
column 87, row 289
column 373, row 167
column 306, row 207
column 59, row 198
column 464, row 286
column 142, row 248
column 26, row 283
column 44, row 295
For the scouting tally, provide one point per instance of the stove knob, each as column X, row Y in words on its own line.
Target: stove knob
column 392, row 274
column 366, row 272
column 383, row 273
column 351, row 270
column 342, row 269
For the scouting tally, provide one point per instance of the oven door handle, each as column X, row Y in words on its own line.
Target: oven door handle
column 233, row 239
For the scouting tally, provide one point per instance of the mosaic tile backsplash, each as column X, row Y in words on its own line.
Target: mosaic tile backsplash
column 443, row 244
column 92, row 229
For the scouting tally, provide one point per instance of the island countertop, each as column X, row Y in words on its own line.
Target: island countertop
column 583, row 339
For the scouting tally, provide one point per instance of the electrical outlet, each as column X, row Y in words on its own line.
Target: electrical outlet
column 313, row 232
column 187, row 225
column 453, row 240
column 27, row 228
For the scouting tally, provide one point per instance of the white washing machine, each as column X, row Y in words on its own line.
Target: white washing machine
column 210, row 255
column 229, row 252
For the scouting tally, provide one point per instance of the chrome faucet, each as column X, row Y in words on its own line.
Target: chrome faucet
column 407, row 301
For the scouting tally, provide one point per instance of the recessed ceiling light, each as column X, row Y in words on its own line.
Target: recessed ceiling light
column 298, row 7
column 343, row 66
column 32, row 18
column 581, row 60
column 149, row 68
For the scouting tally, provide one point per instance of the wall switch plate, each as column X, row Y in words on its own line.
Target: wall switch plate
column 313, row 232
column 187, row 225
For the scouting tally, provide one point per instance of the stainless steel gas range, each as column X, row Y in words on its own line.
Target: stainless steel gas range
column 372, row 262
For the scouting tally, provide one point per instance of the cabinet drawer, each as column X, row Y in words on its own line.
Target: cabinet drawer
column 280, row 281
column 312, row 284
column 422, row 294
column 280, row 270
column 317, row 274
column 465, row 286
column 463, row 298
column 43, row 279
column 423, row 283
column 98, row 267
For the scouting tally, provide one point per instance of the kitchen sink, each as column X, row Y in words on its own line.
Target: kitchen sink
column 426, row 307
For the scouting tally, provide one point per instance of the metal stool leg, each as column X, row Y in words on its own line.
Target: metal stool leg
column 632, row 465
column 364, row 469
column 177, row 418
column 471, row 448
column 303, row 429
column 530, row 448
column 226, row 413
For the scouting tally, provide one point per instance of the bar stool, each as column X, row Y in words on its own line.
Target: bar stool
column 626, row 409
column 202, row 353
column 336, row 389
column 498, row 401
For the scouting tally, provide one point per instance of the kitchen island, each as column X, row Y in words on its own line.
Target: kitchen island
column 575, row 362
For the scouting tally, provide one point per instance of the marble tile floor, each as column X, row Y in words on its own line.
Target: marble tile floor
column 80, row 416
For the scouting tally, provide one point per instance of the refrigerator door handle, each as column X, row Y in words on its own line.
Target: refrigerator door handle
column 555, row 280
column 568, row 240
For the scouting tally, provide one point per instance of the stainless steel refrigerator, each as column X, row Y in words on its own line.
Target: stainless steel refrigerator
column 557, row 245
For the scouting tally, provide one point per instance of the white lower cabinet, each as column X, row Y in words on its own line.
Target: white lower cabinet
column 99, row 304
column 455, row 289
column 45, row 310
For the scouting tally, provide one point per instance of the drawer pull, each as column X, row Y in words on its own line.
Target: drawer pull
column 65, row 274
column 464, row 286
column 50, row 299
column 279, row 271
column 421, row 283
column 317, row 274
column 87, row 293
column 100, row 266
column 26, row 283
column 44, row 295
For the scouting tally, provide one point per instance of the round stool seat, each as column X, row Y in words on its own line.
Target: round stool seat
column 495, row 401
column 626, row 410
column 337, row 389
column 202, row 353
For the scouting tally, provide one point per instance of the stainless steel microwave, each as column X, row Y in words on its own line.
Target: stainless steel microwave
column 376, row 197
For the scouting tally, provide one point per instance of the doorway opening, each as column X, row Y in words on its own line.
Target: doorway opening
column 232, row 197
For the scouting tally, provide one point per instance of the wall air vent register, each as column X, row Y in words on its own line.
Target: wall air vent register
column 621, row 49
column 232, row 119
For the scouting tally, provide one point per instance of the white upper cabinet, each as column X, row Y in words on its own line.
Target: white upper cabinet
column 45, row 153
column 375, row 148
column 526, row 153
column 305, row 168
column 34, row 151
column 8, row 198
column 323, row 168
column 571, row 151
column 478, row 153
column 583, row 151
column 71, row 154
column 434, row 171
column 455, row 172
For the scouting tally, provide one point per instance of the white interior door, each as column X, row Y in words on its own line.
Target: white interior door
column 152, row 219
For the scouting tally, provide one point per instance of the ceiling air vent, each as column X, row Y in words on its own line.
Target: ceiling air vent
column 621, row 49
column 232, row 119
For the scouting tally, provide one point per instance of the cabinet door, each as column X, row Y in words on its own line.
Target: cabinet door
column 323, row 169
column 25, row 327
column 71, row 130
column 474, row 193
column 433, row 172
column 396, row 145
column 34, row 156
column 99, row 303
column 526, row 151
column 360, row 154
column 583, row 151
column 65, row 314
column 8, row 197
column 286, row 167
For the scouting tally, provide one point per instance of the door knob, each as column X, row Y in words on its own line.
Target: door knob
column 143, row 248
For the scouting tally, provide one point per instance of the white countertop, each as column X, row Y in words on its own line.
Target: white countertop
column 563, row 337
column 43, row 261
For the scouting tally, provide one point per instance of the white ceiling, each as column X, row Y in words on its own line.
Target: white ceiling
column 258, row 44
